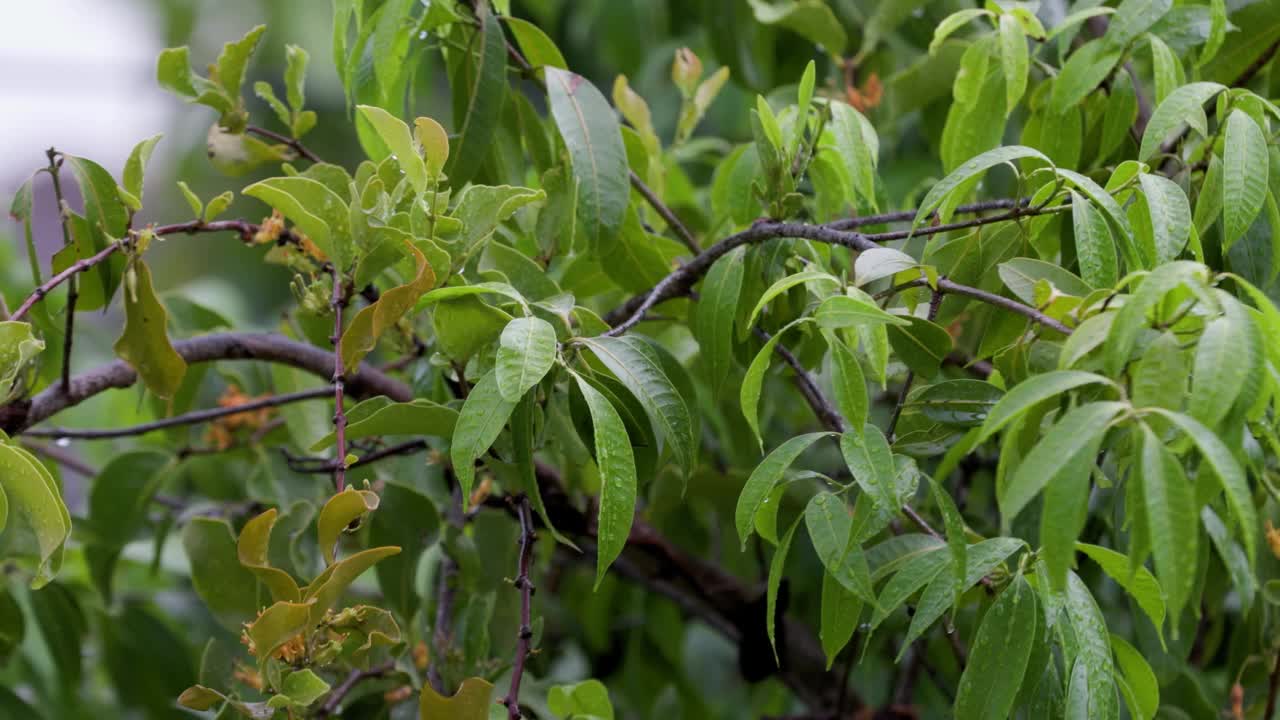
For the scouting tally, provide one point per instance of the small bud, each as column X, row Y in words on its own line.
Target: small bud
column 686, row 71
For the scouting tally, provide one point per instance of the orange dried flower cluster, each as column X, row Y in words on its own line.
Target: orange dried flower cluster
column 270, row 229
column 221, row 432
column 1273, row 539
column 866, row 97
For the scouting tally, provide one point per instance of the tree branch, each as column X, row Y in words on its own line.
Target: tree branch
column 666, row 213
column 293, row 143
column 356, row 677
column 525, row 586
column 338, row 301
column 191, row 418
column 19, row 415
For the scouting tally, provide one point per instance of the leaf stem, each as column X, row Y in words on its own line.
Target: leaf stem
column 293, row 143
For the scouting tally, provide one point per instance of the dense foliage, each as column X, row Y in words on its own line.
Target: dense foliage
column 666, row 347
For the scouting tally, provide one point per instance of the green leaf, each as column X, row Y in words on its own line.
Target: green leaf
column 1139, row 677
column 811, row 19
column 763, row 479
column 870, row 462
column 1090, row 649
column 143, row 343
column 434, row 141
column 1169, row 512
column 295, row 74
column 753, row 381
column 1015, row 59
column 1087, row 68
column 842, row 311
column 857, row 147
column 471, row 702
column 18, row 347
column 830, row 531
column 486, row 93
column 1132, row 19
column 483, row 416
column 338, row 514
column 417, row 417
column 1032, row 391
column 317, row 211
column 942, row 190
column 998, row 659
column 325, row 591
column 1069, row 446
column 1233, row 558
column 361, row 335
column 776, row 566
column 1138, row 582
column 224, row 585
column 1226, row 355
column 137, row 162
column 395, row 133
column 637, row 367
column 526, row 351
column 1222, row 464
column 1170, row 215
column 1166, row 67
column 1132, row 318
column 234, row 58
column 1245, row 167
column 848, row 383
column 952, row 23
column 1186, row 104
column 107, row 217
column 1021, row 275
column 964, row 403
column 35, row 523
column 591, row 133
column 465, row 325
column 957, row 544
column 785, row 284
column 915, row 573
column 714, row 318
column 300, row 688
column 538, row 49
column 922, row 345
column 587, row 699
column 173, row 71
column 841, row 611
column 252, row 549
column 1217, row 33
column 617, row 477
column 877, row 263
column 481, row 209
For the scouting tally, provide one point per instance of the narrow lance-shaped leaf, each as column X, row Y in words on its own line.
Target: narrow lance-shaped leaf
column 970, row 169
column 714, row 318
column 592, row 135
column 395, row 133
column 998, row 659
column 526, row 352
column 831, row 531
column 753, row 381
column 766, row 475
column 1245, row 168
column 483, row 416
column 1169, row 510
column 617, row 477
column 1138, row 582
column 1014, row 58
column 636, row 366
column 144, row 343
column 1032, row 391
column 485, row 96
column 957, row 544
column 776, row 567
column 870, row 461
column 849, row 383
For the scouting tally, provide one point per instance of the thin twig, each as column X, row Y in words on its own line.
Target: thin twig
column 73, row 289
column 910, row 215
column 245, row 229
column 356, row 677
column 827, row 414
column 666, row 213
column 191, row 418
column 63, row 458
column 337, row 302
column 293, row 143
column 324, row 466
column 525, row 586
column 1273, row 690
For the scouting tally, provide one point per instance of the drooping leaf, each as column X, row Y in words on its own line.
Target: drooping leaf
column 617, row 466
column 416, row 417
column 1139, row 677
column 338, row 515
column 1186, row 104
column 485, row 93
column 1034, row 390
column 870, row 462
column 1244, row 181
column 1139, row 582
column 362, row 334
column 590, row 131
column 483, row 416
column 841, row 311
column 998, row 659
column 144, row 343
column 830, row 530
column 959, row 177
column 767, row 474
column 1014, row 58
column 965, row 403
column 849, row 383
column 717, row 308
column 922, row 345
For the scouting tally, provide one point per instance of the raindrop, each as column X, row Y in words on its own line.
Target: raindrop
column 62, row 442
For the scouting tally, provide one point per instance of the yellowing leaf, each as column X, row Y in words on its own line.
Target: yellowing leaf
column 371, row 322
column 144, row 343
column 252, row 547
column 337, row 514
column 435, row 143
column 471, row 702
